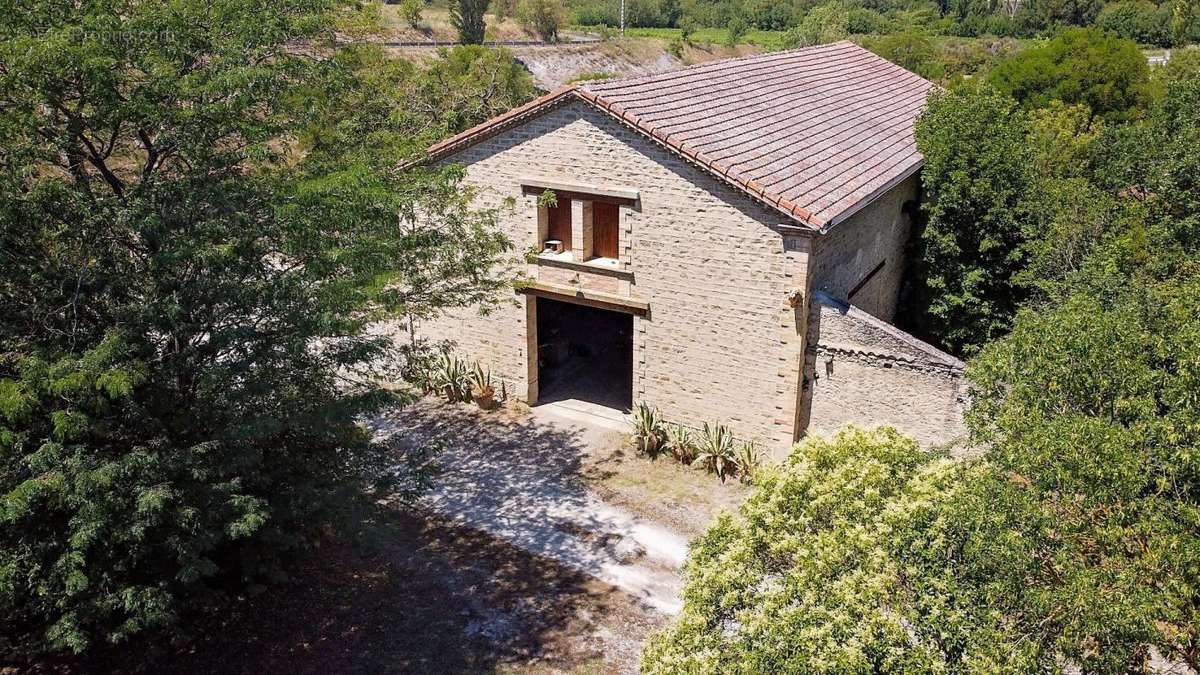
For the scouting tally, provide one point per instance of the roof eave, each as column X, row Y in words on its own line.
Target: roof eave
column 496, row 125
column 880, row 191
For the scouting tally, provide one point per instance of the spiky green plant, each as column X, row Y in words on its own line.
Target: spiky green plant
column 716, row 450
column 749, row 462
column 681, row 443
column 453, row 378
column 481, row 380
column 648, row 428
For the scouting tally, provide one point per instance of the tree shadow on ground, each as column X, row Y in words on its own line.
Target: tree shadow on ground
column 521, row 478
column 417, row 593
column 413, row 595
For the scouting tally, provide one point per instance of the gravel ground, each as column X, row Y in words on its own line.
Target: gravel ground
column 554, row 487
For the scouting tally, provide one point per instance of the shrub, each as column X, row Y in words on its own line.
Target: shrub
column 909, row 50
column 686, row 28
column 823, row 24
column 1082, row 65
column 588, row 77
column 803, row 580
column 675, row 48
column 543, row 17
column 861, row 21
column 410, row 11
column 504, row 8
column 735, row 31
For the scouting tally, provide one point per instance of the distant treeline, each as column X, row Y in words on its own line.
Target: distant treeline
column 1171, row 23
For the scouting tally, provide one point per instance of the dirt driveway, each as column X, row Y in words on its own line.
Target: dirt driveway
column 565, row 490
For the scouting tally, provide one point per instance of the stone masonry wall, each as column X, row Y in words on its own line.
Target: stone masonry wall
column 721, row 341
column 863, row 371
column 852, row 249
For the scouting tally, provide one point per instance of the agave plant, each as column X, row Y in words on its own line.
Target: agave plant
column 482, row 390
column 453, row 378
column 680, row 443
column 716, row 451
column 749, row 462
column 647, row 428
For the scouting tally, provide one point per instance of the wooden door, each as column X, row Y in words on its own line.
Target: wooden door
column 605, row 223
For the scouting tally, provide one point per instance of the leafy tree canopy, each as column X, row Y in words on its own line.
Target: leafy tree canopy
column 467, row 17
column 1081, row 65
column 979, row 201
column 201, row 214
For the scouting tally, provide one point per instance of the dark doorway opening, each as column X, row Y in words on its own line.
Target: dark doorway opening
column 584, row 353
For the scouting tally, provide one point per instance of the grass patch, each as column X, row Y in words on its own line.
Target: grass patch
column 767, row 39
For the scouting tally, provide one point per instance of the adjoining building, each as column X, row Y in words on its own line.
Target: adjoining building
column 724, row 241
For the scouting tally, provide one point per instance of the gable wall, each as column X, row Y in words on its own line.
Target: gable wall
column 877, row 233
column 721, row 342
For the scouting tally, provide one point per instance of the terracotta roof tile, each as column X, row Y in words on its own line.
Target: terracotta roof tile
column 815, row 132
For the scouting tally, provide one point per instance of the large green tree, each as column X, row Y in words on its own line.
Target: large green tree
column 202, row 212
column 979, row 200
column 467, row 17
column 1080, row 65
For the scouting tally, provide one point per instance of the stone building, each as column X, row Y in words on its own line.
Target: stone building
column 724, row 241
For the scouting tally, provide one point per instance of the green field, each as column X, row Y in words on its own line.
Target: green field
column 768, row 39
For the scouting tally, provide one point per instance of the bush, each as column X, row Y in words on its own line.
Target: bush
column 769, row 14
column 861, row 21
column 823, row 24
column 735, row 31
column 802, row 580
column 410, row 11
column 543, row 17
column 686, row 28
column 911, row 51
column 504, row 8
column 1081, row 65
column 1137, row 20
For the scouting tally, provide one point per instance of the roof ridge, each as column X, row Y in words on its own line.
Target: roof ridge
column 716, row 63
column 724, row 86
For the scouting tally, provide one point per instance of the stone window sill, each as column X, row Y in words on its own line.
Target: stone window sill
column 609, row 267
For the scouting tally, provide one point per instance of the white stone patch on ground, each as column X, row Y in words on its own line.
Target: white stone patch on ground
column 517, row 477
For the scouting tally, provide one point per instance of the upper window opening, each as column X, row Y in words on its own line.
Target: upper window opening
column 605, row 227
column 559, row 222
